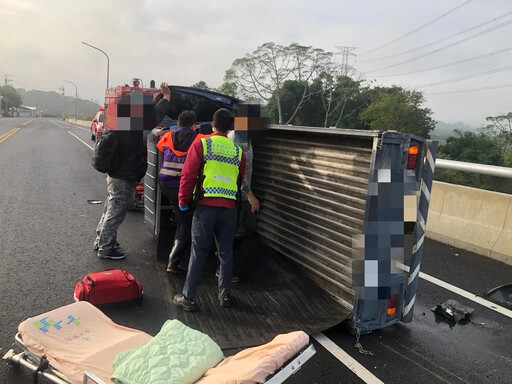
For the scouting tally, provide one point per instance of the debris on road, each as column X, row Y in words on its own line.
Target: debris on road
column 501, row 295
column 94, row 201
column 453, row 310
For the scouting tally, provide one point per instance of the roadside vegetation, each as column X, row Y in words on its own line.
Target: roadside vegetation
column 306, row 86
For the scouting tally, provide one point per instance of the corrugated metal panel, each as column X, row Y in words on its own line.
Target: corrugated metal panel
column 313, row 200
column 150, row 188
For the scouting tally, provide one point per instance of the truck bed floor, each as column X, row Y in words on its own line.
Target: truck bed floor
column 272, row 297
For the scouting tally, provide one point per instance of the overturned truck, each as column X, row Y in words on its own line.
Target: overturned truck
column 337, row 205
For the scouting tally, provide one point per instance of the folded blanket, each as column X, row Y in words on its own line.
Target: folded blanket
column 177, row 354
column 254, row 365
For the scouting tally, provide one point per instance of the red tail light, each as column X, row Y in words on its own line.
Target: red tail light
column 392, row 304
column 412, row 161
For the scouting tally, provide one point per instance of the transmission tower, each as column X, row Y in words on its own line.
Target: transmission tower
column 346, row 56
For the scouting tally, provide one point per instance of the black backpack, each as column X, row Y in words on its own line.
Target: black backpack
column 104, row 156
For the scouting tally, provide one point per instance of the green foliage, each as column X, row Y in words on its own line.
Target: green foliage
column 228, row 89
column 479, row 148
column 10, row 99
column 500, row 129
column 201, row 85
column 400, row 110
column 507, row 159
column 263, row 73
column 472, row 148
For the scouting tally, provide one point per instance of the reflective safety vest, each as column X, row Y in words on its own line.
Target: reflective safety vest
column 172, row 166
column 222, row 159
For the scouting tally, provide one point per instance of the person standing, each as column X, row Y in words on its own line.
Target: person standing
column 249, row 205
column 175, row 146
column 214, row 167
column 131, row 164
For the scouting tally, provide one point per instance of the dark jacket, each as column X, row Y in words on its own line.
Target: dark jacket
column 132, row 155
column 163, row 108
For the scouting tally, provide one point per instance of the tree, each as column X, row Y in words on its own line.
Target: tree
column 10, row 98
column 398, row 109
column 500, row 129
column 262, row 74
column 201, row 85
column 472, row 148
column 228, row 87
column 290, row 96
column 336, row 95
column 477, row 148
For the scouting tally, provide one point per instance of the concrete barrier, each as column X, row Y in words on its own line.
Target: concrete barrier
column 472, row 219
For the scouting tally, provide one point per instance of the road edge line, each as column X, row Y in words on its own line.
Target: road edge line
column 459, row 291
column 83, row 142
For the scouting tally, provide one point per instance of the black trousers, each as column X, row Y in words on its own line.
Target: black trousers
column 183, row 219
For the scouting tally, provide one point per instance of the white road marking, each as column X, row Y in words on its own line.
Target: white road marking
column 82, row 128
column 83, row 142
column 461, row 292
column 78, row 126
column 79, row 139
column 57, row 124
column 72, row 125
column 346, row 359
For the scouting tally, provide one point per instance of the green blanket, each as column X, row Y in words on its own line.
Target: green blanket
column 177, row 354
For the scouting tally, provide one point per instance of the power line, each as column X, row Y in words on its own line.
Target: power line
column 417, row 29
column 438, row 41
column 446, row 46
column 467, row 77
column 469, row 90
column 450, row 64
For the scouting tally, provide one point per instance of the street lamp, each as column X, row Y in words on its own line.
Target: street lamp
column 76, row 97
column 108, row 60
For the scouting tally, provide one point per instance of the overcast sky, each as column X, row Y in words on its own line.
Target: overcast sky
column 183, row 42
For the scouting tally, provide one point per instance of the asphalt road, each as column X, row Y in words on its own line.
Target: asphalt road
column 46, row 234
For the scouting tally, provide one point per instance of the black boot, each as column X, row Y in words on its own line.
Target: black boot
column 174, row 257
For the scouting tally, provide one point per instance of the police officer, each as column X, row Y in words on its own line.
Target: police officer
column 216, row 166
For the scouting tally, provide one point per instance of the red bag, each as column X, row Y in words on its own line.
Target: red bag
column 107, row 287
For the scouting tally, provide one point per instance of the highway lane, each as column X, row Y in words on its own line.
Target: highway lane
column 47, row 229
column 10, row 126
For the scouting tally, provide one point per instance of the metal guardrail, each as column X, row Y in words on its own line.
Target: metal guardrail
column 484, row 169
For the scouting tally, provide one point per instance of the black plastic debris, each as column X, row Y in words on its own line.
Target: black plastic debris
column 453, row 310
column 94, row 201
column 501, row 295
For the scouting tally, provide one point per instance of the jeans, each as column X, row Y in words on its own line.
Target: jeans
column 209, row 224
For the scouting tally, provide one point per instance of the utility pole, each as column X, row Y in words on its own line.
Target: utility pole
column 108, row 60
column 76, row 97
column 346, row 53
column 61, row 88
column 7, row 80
